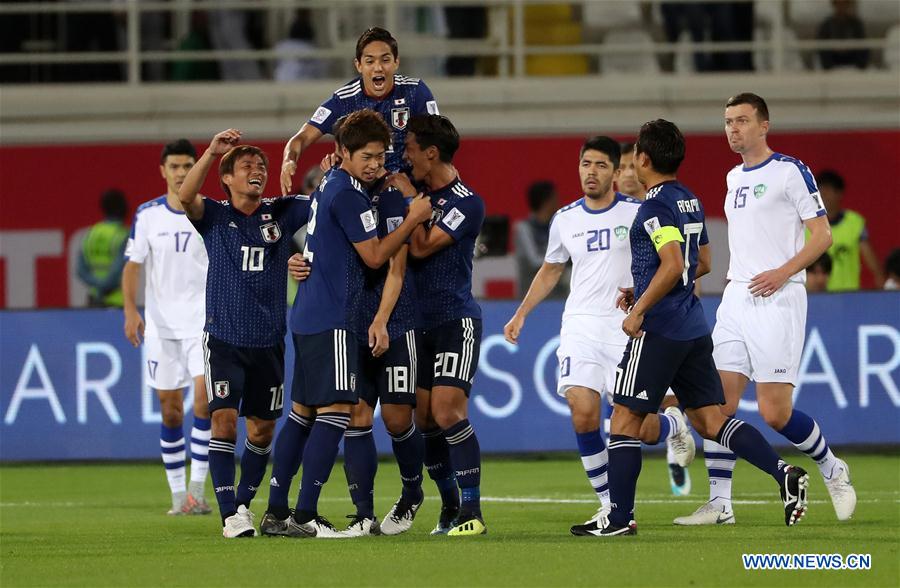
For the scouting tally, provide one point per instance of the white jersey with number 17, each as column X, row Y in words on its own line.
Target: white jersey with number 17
column 175, row 264
column 766, row 206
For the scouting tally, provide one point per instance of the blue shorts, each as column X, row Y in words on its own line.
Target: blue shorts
column 326, row 368
column 389, row 379
column 249, row 379
column 448, row 354
column 653, row 364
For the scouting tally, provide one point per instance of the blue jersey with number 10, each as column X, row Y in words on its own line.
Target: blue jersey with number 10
column 670, row 213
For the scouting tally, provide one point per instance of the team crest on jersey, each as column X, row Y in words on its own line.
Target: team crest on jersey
column 222, row 389
column 621, row 232
column 399, row 118
column 759, row 190
column 271, row 232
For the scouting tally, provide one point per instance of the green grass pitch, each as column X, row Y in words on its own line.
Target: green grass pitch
column 104, row 525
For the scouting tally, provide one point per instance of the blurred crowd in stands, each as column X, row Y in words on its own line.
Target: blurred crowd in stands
column 291, row 33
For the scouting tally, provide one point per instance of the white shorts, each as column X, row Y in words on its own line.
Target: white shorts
column 759, row 337
column 173, row 363
column 587, row 362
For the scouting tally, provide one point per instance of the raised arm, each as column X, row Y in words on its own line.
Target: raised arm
column 296, row 145
column 543, row 283
column 189, row 193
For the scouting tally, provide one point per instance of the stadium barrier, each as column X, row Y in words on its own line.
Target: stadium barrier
column 72, row 387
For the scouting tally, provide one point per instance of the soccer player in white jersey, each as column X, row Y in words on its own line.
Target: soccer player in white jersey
column 593, row 232
column 761, row 322
column 165, row 243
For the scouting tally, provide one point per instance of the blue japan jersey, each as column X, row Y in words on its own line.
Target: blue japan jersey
column 389, row 208
column 340, row 215
column 678, row 315
column 246, row 284
column 444, row 279
column 409, row 96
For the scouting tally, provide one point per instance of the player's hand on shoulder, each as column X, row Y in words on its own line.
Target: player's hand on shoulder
column 134, row 327
column 625, row 300
column 224, row 141
column 329, row 161
column 288, row 168
column 512, row 329
column 379, row 341
column 298, row 267
column 767, row 283
column 401, row 182
column 420, row 209
column 632, row 325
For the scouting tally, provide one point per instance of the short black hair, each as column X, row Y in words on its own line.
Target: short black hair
column 892, row 262
column 824, row 263
column 626, row 147
column 829, row 177
column 539, row 193
column 605, row 145
column 177, row 147
column 336, row 129
column 113, row 204
column 435, row 130
column 754, row 100
column 663, row 143
column 363, row 127
column 372, row 35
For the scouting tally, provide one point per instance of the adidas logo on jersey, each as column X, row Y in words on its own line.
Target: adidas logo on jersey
column 232, row 225
column 642, row 395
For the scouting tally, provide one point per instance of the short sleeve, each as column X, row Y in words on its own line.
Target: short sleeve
column 653, row 215
column 556, row 251
column 213, row 212
column 325, row 115
column 464, row 218
column 295, row 213
column 425, row 102
column 800, row 188
column 138, row 246
column 354, row 215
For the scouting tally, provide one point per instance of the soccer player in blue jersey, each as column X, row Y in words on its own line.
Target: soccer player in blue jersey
column 670, row 343
column 341, row 243
column 450, row 320
column 248, row 241
column 378, row 87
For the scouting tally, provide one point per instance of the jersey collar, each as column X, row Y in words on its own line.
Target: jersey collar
column 759, row 165
column 602, row 210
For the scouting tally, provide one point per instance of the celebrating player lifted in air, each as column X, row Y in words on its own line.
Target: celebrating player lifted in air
column 761, row 322
column 341, row 242
column 593, row 233
column 451, row 320
column 167, row 245
column 247, row 240
column 379, row 87
column 670, row 343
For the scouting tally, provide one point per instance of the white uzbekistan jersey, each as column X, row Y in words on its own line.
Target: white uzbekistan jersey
column 766, row 205
column 597, row 242
column 175, row 262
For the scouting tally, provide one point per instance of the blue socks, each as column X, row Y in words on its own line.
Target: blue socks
column 360, row 466
column 595, row 459
column 409, row 449
column 437, row 462
column 171, row 445
column 465, row 454
column 321, row 451
column 750, row 445
column 221, row 470
column 624, row 469
column 253, row 468
column 288, row 457
column 804, row 433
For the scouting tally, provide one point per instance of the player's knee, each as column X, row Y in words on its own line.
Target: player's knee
column 172, row 415
column 730, row 407
column 775, row 416
column 224, row 424
column 395, row 419
column 262, row 433
column 584, row 422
